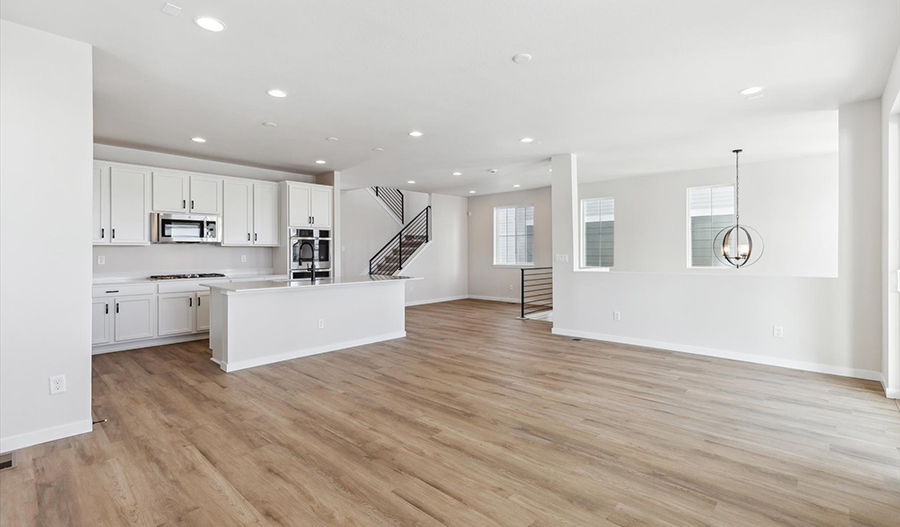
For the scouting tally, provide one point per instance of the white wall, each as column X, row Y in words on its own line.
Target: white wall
column 493, row 282
column 791, row 202
column 890, row 186
column 830, row 324
column 193, row 164
column 366, row 227
column 141, row 262
column 46, row 130
column 444, row 262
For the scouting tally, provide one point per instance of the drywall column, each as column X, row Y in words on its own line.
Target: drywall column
column 564, row 197
column 334, row 179
column 890, row 189
column 46, row 135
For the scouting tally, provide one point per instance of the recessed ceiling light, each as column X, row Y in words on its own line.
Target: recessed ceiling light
column 752, row 90
column 411, row 182
column 198, row 139
column 516, row 186
column 522, row 58
column 526, row 140
column 493, row 171
column 269, row 124
column 471, row 192
column 277, row 93
column 415, row 133
column 331, row 138
column 457, row 173
column 378, row 149
column 551, row 170
column 320, row 161
column 209, row 23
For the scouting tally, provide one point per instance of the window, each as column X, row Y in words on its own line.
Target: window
column 710, row 209
column 514, row 235
column 598, row 221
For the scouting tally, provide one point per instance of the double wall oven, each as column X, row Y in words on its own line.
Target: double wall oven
column 310, row 248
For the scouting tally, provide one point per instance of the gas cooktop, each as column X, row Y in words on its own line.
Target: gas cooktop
column 185, row 276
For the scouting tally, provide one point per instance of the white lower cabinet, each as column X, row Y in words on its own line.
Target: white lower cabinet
column 202, row 322
column 101, row 321
column 176, row 314
column 134, row 317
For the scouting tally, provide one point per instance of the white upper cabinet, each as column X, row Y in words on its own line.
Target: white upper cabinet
column 320, row 206
column 129, row 190
column 265, row 214
column 299, row 211
column 100, row 228
column 171, row 192
column 206, row 195
column 237, row 215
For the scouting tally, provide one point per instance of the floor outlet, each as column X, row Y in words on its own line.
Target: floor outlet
column 57, row 384
column 321, row 323
column 778, row 332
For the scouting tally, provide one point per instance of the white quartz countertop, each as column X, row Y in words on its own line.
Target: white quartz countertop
column 227, row 278
column 273, row 285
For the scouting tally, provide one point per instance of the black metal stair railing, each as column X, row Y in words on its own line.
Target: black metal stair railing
column 537, row 290
column 393, row 198
column 394, row 255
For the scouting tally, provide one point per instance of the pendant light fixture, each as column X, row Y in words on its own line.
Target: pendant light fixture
column 738, row 245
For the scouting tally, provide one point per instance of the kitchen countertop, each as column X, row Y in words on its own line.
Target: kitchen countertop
column 227, row 278
column 273, row 285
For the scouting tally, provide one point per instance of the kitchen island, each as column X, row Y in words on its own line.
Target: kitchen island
column 262, row 322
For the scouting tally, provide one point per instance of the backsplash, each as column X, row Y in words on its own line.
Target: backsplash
column 133, row 262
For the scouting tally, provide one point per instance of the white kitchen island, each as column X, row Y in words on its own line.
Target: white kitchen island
column 257, row 323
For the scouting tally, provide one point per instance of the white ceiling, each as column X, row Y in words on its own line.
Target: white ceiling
column 631, row 86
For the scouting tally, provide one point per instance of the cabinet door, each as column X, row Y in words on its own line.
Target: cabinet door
column 170, row 192
column 100, row 228
column 298, row 206
column 202, row 311
column 101, row 321
column 237, row 216
column 320, row 206
column 129, row 218
column 134, row 317
column 176, row 314
column 206, row 195
column 265, row 214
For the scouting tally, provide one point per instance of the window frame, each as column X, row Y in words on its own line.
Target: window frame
column 688, row 238
column 495, row 237
column 582, row 242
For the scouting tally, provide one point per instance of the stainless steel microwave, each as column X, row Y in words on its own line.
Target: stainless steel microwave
column 184, row 228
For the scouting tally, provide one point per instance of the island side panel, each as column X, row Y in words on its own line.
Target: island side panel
column 272, row 326
column 218, row 323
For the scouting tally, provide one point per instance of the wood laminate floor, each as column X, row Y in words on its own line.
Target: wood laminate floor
column 475, row 419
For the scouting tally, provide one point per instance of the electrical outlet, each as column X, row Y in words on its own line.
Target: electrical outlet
column 321, row 323
column 778, row 332
column 57, row 384
column 562, row 258
column 617, row 315
column 510, row 287
column 101, row 260
column 243, row 258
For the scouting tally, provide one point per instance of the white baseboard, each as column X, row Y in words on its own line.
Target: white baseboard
column 436, row 300
column 8, row 444
column 722, row 354
column 890, row 393
column 496, row 299
column 147, row 343
column 296, row 354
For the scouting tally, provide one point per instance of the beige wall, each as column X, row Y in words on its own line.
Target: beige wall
column 485, row 279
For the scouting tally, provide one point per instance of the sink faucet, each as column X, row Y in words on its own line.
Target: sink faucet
column 311, row 267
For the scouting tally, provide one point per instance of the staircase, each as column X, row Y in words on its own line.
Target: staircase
column 397, row 252
column 392, row 199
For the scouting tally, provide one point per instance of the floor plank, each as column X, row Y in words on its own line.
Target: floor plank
column 474, row 419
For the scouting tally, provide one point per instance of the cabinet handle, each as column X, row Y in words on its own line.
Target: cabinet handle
column 190, row 301
column 183, row 204
column 102, row 233
column 116, row 291
column 198, row 301
column 248, row 236
column 255, row 236
column 117, row 307
column 192, row 204
column 107, row 308
column 113, row 233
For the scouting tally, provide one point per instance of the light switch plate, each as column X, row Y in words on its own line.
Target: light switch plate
column 562, row 258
